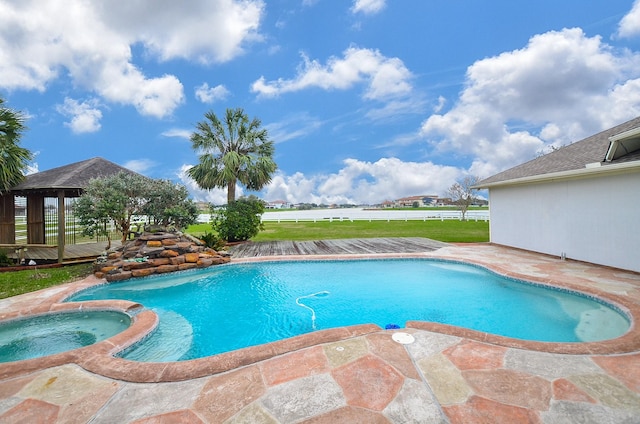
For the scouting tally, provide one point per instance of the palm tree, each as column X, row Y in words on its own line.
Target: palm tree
column 231, row 151
column 13, row 158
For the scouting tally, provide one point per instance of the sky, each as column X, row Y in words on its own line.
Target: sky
column 365, row 100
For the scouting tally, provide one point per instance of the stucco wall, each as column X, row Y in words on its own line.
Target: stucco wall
column 595, row 220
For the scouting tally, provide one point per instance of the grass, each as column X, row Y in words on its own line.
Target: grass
column 450, row 231
column 13, row 283
column 446, row 231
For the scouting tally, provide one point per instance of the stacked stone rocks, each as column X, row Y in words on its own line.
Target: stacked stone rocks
column 156, row 253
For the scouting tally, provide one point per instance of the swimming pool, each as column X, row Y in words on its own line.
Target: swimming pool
column 207, row 312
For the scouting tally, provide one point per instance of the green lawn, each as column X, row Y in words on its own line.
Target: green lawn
column 13, row 283
column 447, row 231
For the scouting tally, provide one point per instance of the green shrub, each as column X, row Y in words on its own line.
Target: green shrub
column 239, row 220
column 4, row 259
column 212, row 241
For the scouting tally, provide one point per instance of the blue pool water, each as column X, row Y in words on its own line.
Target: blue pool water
column 47, row 334
column 229, row 307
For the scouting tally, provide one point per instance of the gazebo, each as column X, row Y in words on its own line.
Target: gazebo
column 67, row 181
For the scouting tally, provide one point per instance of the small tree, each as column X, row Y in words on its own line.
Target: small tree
column 116, row 198
column 120, row 197
column 239, row 220
column 169, row 204
column 462, row 194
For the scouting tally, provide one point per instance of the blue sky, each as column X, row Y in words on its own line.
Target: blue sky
column 366, row 100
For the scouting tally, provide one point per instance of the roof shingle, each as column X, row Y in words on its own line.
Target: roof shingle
column 71, row 178
column 574, row 156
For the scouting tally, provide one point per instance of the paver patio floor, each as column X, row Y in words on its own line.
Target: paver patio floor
column 454, row 377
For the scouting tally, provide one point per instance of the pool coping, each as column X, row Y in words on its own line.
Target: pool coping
column 100, row 358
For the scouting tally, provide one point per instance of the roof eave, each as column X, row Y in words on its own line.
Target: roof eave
column 588, row 171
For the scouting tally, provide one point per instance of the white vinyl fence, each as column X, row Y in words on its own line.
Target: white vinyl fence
column 361, row 214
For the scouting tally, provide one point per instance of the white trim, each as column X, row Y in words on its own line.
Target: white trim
column 627, row 134
column 611, row 152
column 572, row 174
column 616, row 141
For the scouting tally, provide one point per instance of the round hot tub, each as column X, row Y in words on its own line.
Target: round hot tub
column 42, row 335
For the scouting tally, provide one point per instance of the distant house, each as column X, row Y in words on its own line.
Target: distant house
column 387, row 204
column 413, row 201
column 278, row 204
column 581, row 201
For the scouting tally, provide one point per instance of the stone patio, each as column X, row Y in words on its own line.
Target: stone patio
column 355, row 375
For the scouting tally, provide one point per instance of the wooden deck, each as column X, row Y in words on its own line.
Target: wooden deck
column 90, row 251
column 335, row 247
column 72, row 252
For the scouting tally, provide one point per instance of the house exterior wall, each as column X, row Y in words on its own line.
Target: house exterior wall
column 590, row 219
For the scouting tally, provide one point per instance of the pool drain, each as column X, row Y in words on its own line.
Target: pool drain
column 313, row 313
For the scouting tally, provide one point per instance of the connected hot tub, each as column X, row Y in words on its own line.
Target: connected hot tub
column 47, row 334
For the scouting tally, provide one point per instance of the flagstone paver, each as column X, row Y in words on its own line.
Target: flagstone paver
column 362, row 376
column 349, row 414
column 224, row 395
column 345, row 351
column 302, row 398
column 479, row 410
column 574, row 412
column 511, row 387
column 608, row 391
column 446, row 381
column 176, row 417
column 625, row 368
column 358, row 377
column 294, row 365
column 566, row 390
column 31, row 411
column 415, row 404
column 549, row 365
column 472, row 355
column 139, row 400
column 252, row 414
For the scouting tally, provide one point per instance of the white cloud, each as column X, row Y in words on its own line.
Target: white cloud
column 441, row 103
column 204, row 30
column 140, row 165
column 394, row 109
column 32, row 169
column 361, row 182
column 292, row 127
column 85, row 116
column 629, row 26
column 368, row 7
column 561, row 87
column 178, row 133
column 207, row 94
column 385, row 78
column 156, row 97
column 91, row 43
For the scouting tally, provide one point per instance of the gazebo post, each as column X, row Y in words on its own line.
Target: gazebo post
column 7, row 218
column 62, row 229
